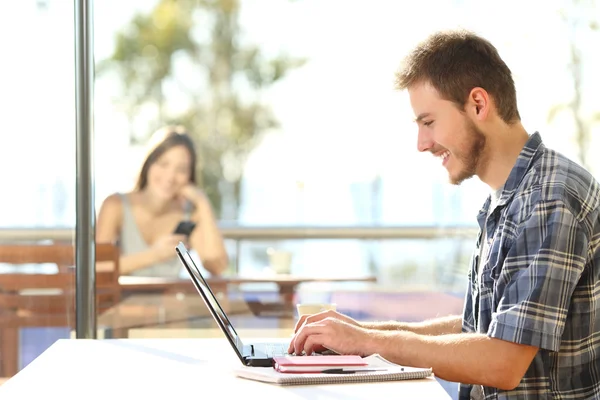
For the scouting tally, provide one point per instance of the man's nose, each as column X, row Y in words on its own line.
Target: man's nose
column 424, row 141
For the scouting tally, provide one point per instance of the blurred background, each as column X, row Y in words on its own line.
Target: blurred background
column 298, row 126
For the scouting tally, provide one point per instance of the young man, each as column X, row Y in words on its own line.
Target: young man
column 531, row 321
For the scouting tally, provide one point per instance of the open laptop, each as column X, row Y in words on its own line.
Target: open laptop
column 250, row 354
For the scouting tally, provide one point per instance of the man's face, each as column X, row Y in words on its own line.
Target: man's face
column 447, row 133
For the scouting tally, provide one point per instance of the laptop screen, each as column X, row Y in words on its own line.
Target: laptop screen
column 211, row 301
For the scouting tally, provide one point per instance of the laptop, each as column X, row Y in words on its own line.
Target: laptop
column 250, row 354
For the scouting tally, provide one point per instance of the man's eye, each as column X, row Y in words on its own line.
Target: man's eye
column 428, row 123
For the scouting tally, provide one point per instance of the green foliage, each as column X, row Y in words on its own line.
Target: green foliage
column 580, row 16
column 226, row 119
column 145, row 48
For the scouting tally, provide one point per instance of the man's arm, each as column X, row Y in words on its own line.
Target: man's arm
column 437, row 326
column 466, row 357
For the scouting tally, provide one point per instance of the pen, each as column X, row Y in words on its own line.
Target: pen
column 350, row 371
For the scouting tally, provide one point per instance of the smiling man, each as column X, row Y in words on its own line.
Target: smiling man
column 531, row 322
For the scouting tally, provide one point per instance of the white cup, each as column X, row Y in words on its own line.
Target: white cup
column 314, row 308
column 280, row 261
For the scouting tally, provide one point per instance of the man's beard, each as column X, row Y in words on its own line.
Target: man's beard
column 471, row 157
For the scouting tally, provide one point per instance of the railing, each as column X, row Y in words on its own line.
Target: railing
column 239, row 233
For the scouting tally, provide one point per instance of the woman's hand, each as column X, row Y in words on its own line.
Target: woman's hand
column 206, row 239
column 164, row 246
column 193, row 194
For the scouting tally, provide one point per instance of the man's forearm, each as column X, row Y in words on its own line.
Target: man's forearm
column 437, row 326
column 465, row 357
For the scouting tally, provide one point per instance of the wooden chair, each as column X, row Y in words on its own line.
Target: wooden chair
column 46, row 299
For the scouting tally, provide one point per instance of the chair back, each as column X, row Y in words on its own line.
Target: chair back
column 38, row 298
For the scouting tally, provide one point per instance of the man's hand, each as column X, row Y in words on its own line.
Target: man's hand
column 312, row 318
column 309, row 319
column 331, row 333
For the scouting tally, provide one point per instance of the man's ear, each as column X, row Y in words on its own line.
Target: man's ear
column 478, row 104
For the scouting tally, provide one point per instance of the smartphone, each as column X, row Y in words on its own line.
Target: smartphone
column 185, row 228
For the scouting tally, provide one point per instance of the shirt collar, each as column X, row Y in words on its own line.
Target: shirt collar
column 524, row 160
column 523, row 164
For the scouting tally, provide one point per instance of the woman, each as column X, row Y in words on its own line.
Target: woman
column 144, row 221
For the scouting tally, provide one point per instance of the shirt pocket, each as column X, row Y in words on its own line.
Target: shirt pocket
column 491, row 272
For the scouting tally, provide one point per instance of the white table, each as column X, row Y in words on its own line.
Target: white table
column 172, row 369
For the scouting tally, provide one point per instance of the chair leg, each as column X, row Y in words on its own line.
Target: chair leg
column 9, row 352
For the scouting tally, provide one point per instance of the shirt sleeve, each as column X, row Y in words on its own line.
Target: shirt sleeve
column 540, row 273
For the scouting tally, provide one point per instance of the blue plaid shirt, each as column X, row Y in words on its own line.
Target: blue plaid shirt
column 540, row 282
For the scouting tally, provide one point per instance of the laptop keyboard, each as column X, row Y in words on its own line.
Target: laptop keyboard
column 281, row 350
column 276, row 350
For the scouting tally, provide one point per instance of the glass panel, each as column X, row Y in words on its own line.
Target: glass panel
column 297, row 124
column 37, row 156
column 428, row 274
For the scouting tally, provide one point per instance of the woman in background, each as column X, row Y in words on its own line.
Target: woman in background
column 143, row 222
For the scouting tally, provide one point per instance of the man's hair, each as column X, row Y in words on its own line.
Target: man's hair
column 455, row 62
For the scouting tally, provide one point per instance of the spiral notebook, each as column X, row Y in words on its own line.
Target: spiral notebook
column 378, row 369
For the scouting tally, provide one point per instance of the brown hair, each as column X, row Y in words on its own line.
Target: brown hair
column 455, row 62
column 162, row 140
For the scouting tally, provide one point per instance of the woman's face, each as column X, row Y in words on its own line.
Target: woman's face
column 170, row 172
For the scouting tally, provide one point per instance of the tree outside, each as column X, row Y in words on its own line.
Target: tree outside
column 221, row 91
column 582, row 21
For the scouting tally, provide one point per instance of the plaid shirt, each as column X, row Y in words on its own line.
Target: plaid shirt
column 540, row 283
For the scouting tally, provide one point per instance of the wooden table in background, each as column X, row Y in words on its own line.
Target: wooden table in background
column 287, row 286
column 153, row 312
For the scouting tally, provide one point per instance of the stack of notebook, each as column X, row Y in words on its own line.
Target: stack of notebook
column 307, row 370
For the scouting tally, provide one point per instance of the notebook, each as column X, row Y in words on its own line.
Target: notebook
column 251, row 354
column 295, row 364
column 378, row 369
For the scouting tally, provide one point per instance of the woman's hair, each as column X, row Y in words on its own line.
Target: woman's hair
column 162, row 140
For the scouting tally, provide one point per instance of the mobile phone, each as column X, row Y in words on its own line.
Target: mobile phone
column 185, row 228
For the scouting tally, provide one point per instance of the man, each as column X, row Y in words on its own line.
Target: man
column 531, row 321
